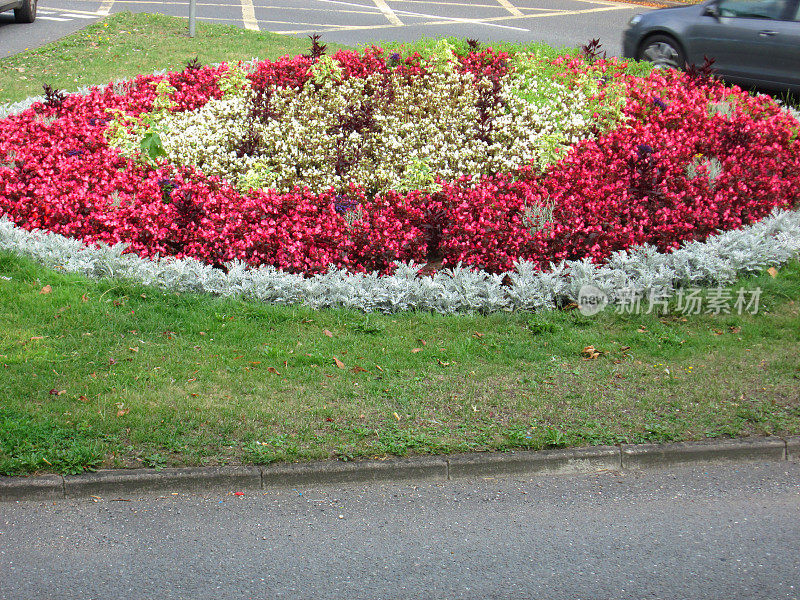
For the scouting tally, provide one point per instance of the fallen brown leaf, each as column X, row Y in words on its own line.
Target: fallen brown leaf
column 358, row 369
column 46, row 289
column 589, row 353
column 339, row 363
column 328, row 333
column 379, row 368
column 773, row 272
column 416, row 350
column 273, row 370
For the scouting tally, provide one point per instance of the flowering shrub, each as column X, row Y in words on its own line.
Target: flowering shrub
column 359, row 159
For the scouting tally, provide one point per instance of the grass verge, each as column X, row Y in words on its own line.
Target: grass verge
column 115, row 374
column 124, row 45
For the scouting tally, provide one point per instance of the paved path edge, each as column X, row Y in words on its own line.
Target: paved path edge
column 231, row 479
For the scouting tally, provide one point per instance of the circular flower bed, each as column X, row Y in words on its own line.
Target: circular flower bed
column 362, row 159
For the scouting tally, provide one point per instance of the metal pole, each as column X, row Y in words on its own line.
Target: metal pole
column 192, row 16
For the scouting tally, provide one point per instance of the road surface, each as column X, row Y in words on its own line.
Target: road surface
column 684, row 533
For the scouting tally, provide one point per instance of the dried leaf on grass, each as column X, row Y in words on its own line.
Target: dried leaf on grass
column 589, row 353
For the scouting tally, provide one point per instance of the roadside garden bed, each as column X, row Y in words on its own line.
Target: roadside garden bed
column 112, row 373
column 361, row 160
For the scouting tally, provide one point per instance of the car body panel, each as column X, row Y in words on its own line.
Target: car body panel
column 5, row 5
column 750, row 50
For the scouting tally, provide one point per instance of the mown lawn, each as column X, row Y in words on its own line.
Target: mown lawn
column 115, row 374
column 124, row 45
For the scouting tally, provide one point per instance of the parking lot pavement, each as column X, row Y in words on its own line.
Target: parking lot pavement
column 557, row 22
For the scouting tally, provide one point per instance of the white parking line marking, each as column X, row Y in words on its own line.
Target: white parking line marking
column 484, row 22
column 510, row 7
column 54, row 19
column 430, row 3
column 233, row 20
column 76, row 16
column 440, row 19
column 105, row 7
column 388, row 12
column 249, row 15
column 555, row 13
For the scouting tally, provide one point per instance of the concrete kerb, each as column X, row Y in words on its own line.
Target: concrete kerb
column 42, row 487
column 544, row 462
column 793, row 448
column 654, row 455
column 142, row 481
column 118, row 483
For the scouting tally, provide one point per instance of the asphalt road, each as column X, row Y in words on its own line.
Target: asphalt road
column 703, row 532
column 557, row 22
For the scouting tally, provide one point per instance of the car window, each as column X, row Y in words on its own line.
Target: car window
column 797, row 14
column 752, row 9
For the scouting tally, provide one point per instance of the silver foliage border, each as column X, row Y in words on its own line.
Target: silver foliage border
column 718, row 261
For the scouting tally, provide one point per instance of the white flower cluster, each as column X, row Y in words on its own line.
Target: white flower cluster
column 381, row 133
column 718, row 261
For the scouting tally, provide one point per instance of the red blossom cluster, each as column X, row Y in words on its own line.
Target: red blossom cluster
column 679, row 169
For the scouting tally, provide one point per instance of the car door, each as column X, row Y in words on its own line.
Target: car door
column 750, row 40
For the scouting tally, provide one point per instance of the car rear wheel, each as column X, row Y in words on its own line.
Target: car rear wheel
column 26, row 13
column 663, row 51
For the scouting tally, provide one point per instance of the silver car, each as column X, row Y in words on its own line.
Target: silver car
column 24, row 10
column 753, row 42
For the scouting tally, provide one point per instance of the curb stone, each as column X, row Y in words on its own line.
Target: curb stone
column 793, row 448
column 544, row 462
column 116, row 483
column 656, row 455
column 329, row 472
column 133, row 481
column 41, row 487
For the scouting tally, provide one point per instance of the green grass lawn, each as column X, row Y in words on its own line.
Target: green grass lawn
column 115, row 374
column 124, row 45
